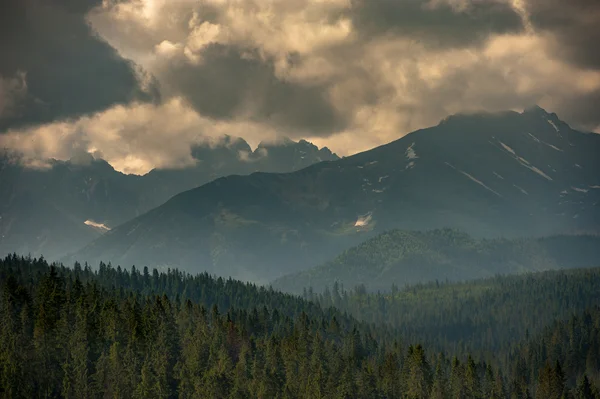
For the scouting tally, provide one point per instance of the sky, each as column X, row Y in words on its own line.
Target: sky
column 136, row 82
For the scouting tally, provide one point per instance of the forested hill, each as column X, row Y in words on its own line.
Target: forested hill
column 484, row 316
column 408, row 257
column 179, row 287
column 75, row 333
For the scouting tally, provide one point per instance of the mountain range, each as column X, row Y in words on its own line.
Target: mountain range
column 59, row 209
column 509, row 174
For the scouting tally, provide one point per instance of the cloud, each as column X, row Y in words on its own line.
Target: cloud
column 70, row 69
column 572, row 27
column 349, row 74
column 508, row 72
column 439, row 23
column 232, row 82
column 13, row 91
column 321, row 67
column 134, row 138
column 235, row 59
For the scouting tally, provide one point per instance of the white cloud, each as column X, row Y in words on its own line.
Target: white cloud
column 133, row 139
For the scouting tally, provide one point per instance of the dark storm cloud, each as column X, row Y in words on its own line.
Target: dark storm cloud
column 230, row 82
column 582, row 111
column 438, row 24
column 69, row 69
column 574, row 26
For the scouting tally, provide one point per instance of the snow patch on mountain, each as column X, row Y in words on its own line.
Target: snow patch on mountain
column 364, row 220
column 498, row 176
column 534, row 138
column 474, row 179
column 539, row 172
column 554, row 147
column 100, row 226
column 520, row 189
column 524, row 162
column 507, row 148
column 543, row 142
column 580, row 190
column 410, row 152
column 554, row 126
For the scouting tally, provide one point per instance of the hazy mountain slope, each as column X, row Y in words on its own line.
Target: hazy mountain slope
column 408, row 257
column 52, row 228
column 45, row 211
column 509, row 174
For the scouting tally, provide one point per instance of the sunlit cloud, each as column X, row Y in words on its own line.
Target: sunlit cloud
column 133, row 139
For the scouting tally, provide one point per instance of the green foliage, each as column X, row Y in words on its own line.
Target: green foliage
column 482, row 317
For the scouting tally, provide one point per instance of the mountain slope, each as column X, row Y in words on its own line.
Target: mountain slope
column 58, row 210
column 406, row 257
column 508, row 174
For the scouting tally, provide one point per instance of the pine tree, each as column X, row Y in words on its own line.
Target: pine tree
column 318, row 371
column 241, row 375
column 11, row 362
column 472, row 383
column 440, row 383
column 367, row 384
column 77, row 367
column 147, row 383
column 419, row 374
column 584, row 389
column 390, row 375
column 49, row 359
column 499, row 388
column 346, row 387
column 457, row 388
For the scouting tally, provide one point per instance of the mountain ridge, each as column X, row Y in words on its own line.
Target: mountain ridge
column 70, row 197
column 402, row 257
column 509, row 174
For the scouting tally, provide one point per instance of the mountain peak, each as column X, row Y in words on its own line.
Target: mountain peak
column 536, row 109
column 82, row 158
column 278, row 142
column 286, row 142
